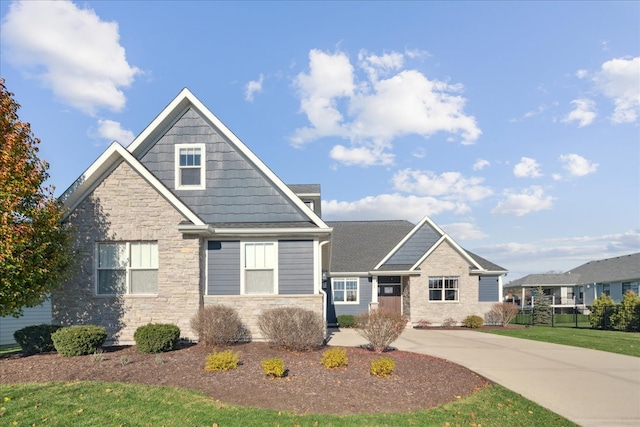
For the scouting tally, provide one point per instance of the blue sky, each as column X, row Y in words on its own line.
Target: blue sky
column 513, row 125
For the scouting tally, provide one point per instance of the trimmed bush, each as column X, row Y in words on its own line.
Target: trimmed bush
column 382, row 366
column 473, row 321
column 627, row 313
column 36, row 339
column 346, row 320
column 78, row 340
column 334, row 358
column 157, row 338
column 601, row 311
column 293, row 328
column 449, row 322
column 219, row 325
column 380, row 328
column 273, row 367
column 221, row 361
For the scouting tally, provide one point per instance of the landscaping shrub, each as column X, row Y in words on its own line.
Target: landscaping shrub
column 346, row 320
column 380, row 328
column 273, row 367
column 422, row 324
column 219, row 325
column 36, row 339
column 221, row 361
column 627, row 313
column 382, row 366
column 157, row 337
column 449, row 322
column 473, row 321
column 334, row 358
column 501, row 314
column 601, row 311
column 293, row 328
column 78, row 340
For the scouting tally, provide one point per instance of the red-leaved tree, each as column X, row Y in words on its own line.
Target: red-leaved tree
column 35, row 246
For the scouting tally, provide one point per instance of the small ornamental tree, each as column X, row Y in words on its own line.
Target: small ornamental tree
column 35, row 246
column 541, row 308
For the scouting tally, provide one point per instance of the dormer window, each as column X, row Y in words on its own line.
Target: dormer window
column 190, row 166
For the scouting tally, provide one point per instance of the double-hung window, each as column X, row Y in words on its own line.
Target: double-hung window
column 127, row 268
column 190, row 166
column 260, row 267
column 630, row 286
column 443, row 289
column 345, row 290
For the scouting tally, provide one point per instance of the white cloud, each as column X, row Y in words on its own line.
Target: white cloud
column 529, row 200
column 362, row 156
column 386, row 206
column 541, row 109
column 581, row 74
column 480, row 164
column 577, row 165
column 450, row 186
column 71, row 51
column 253, row 87
column 337, row 104
column 463, row 231
column 583, row 113
column 112, row 131
column 619, row 79
column 527, row 168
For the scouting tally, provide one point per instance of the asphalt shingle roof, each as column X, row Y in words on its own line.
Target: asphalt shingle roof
column 622, row 268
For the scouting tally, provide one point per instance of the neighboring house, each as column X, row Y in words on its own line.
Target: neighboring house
column 31, row 316
column 579, row 287
column 188, row 216
column 417, row 270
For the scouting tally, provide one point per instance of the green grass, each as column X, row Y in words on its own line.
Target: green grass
column 114, row 404
column 6, row 349
column 612, row 341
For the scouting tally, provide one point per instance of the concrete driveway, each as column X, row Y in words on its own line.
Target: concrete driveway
column 589, row 387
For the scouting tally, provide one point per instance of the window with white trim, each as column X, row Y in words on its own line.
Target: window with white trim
column 443, row 288
column 630, row 286
column 190, row 166
column 127, row 268
column 345, row 290
column 260, row 267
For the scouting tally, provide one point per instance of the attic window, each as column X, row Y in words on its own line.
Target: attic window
column 190, row 166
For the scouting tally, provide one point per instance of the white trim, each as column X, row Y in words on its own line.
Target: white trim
column 243, row 245
column 177, row 167
column 443, row 289
column 344, row 302
column 127, row 269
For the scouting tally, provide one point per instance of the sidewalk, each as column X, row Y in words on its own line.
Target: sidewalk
column 591, row 388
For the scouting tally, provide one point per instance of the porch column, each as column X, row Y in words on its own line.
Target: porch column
column 374, row 290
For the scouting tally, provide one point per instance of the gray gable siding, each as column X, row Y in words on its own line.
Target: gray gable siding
column 488, row 289
column 416, row 246
column 223, row 267
column 235, row 190
column 295, row 267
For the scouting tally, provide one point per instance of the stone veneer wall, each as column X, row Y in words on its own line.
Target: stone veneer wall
column 446, row 261
column 250, row 307
column 124, row 207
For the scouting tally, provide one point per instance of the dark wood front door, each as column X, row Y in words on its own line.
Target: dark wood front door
column 390, row 297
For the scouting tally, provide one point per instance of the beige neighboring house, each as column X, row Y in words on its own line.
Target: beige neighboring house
column 187, row 216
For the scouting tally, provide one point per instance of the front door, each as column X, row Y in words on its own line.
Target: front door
column 390, row 297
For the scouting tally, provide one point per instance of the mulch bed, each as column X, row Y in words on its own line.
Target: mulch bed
column 418, row 382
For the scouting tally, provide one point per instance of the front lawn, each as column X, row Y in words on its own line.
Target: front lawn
column 104, row 403
column 612, row 341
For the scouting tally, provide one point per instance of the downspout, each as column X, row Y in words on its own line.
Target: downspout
column 324, row 294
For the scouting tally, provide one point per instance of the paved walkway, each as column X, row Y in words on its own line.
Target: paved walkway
column 591, row 388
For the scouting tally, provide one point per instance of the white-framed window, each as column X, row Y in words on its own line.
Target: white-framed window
column 190, row 163
column 127, row 268
column 345, row 290
column 259, row 268
column 443, row 288
column 630, row 286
